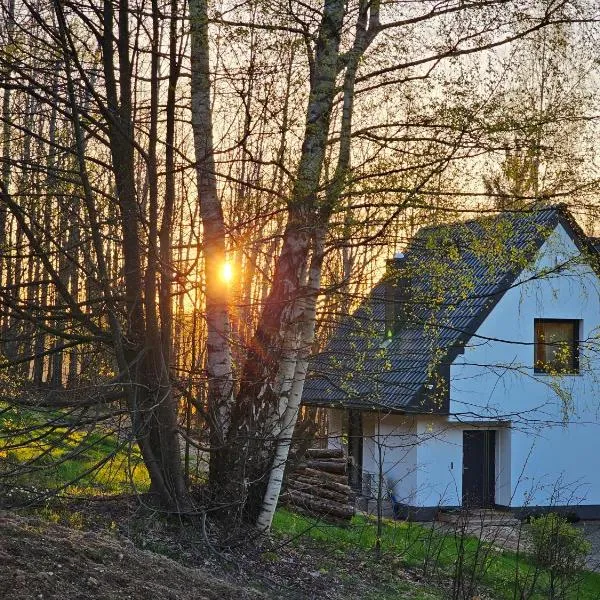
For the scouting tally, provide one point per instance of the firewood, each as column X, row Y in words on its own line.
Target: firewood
column 325, row 453
column 305, row 470
column 329, row 466
column 317, row 491
column 334, row 486
column 324, row 507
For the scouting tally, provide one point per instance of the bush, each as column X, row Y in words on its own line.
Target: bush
column 560, row 550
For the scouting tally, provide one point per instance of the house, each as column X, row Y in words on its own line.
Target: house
column 470, row 374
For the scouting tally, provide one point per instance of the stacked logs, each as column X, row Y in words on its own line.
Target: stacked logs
column 319, row 486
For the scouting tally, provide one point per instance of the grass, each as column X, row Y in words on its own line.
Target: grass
column 42, row 451
column 402, row 590
column 434, row 554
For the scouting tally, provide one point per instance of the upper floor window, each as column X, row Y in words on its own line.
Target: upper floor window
column 556, row 346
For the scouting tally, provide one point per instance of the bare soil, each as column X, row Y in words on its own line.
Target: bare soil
column 41, row 560
column 108, row 550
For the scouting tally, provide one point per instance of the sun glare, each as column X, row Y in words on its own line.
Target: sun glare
column 227, row 272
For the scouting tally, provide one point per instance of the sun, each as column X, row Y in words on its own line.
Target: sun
column 227, row 272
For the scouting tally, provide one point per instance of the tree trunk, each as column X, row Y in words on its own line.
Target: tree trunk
column 149, row 394
column 293, row 396
column 250, row 440
column 218, row 359
column 6, row 150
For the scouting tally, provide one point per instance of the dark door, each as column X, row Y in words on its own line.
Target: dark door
column 479, row 468
column 355, row 450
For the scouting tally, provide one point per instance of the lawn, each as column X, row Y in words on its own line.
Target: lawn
column 44, row 452
column 503, row 574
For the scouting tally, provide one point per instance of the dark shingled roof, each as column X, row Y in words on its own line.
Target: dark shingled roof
column 441, row 291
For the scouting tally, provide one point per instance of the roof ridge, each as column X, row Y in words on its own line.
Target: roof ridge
column 561, row 206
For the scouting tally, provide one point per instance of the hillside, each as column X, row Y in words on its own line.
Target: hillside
column 41, row 560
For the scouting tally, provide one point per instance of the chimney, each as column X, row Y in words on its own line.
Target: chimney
column 396, row 293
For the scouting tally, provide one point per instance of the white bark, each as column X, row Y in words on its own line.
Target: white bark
column 219, row 360
column 292, row 406
column 366, row 29
column 288, row 363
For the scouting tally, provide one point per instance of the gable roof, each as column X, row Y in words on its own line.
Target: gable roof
column 448, row 282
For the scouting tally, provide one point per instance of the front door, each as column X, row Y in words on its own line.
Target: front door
column 479, row 468
column 355, row 450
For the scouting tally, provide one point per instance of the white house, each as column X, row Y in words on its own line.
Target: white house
column 471, row 373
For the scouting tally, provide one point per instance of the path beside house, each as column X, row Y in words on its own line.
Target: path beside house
column 509, row 534
column 500, row 529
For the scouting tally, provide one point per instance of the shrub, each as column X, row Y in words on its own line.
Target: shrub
column 560, row 550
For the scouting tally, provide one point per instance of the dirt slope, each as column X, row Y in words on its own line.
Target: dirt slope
column 43, row 561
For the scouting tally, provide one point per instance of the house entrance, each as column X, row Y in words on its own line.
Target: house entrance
column 479, row 468
column 355, row 450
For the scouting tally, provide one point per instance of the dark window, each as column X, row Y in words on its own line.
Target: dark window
column 556, row 346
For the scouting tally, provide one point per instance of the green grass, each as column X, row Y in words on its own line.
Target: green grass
column 42, row 451
column 432, row 553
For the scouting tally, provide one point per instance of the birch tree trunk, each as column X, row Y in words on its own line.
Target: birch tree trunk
column 218, row 360
column 292, row 397
column 250, row 439
column 366, row 29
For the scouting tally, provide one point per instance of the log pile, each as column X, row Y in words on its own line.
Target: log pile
column 319, row 486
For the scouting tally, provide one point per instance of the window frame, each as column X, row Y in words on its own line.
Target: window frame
column 576, row 325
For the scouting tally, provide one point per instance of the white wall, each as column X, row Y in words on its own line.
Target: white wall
column 395, row 437
column 495, row 380
column 439, row 456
